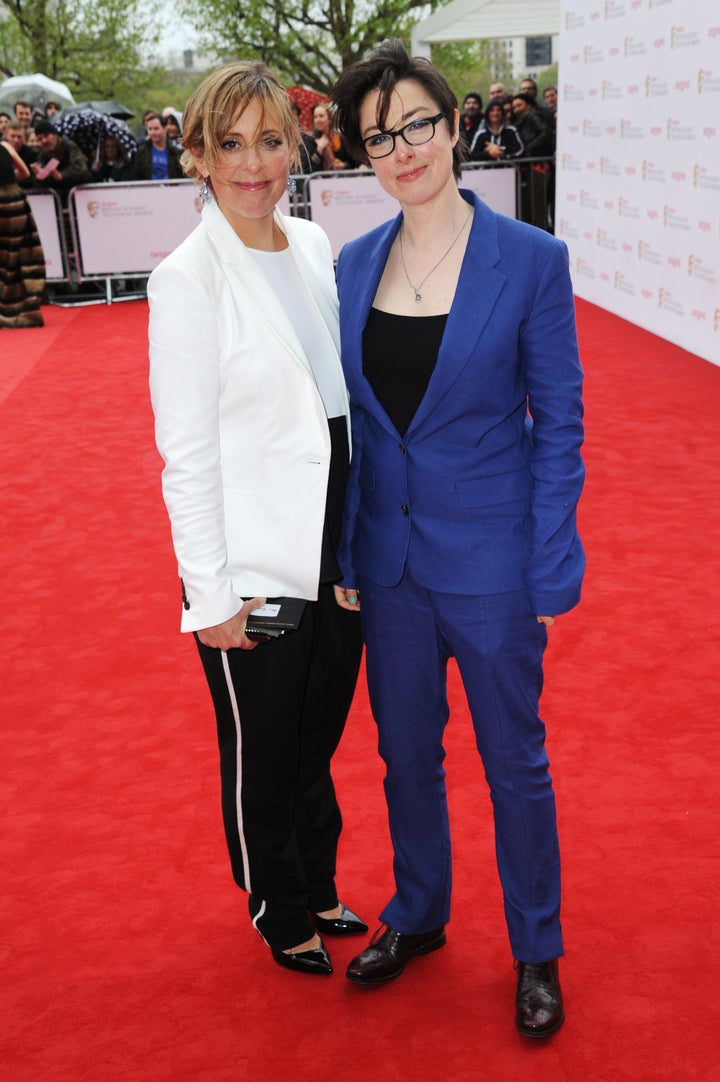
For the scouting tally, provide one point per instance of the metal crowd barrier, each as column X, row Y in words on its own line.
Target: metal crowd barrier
column 104, row 244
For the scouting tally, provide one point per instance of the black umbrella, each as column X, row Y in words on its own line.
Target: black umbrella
column 109, row 108
column 89, row 129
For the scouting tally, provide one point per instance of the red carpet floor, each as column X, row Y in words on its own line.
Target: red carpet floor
column 126, row 951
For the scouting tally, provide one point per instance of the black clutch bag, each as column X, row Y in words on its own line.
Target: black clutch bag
column 277, row 615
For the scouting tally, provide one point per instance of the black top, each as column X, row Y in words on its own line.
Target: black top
column 337, row 482
column 7, row 167
column 399, row 357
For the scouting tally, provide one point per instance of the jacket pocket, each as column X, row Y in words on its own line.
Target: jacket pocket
column 491, row 491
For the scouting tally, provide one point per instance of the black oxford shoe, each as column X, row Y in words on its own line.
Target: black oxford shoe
column 348, row 923
column 386, row 957
column 314, row 961
column 538, row 1001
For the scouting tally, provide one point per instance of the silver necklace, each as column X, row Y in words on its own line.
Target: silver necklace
column 416, row 289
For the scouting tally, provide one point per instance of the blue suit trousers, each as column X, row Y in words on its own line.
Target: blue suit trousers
column 410, row 634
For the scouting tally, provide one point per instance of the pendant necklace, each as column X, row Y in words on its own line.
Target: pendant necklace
column 416, row 289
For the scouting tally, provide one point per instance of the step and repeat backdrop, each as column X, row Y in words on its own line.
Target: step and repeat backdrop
column 638, row 163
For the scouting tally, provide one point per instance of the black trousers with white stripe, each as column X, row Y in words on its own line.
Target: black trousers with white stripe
column 280, row 711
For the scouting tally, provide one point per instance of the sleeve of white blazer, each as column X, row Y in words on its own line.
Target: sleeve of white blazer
column 185, row 392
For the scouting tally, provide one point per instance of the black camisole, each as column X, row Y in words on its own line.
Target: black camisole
column 399, row 357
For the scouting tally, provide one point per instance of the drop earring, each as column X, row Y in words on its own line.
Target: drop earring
column 291, row 185
column 205, row 193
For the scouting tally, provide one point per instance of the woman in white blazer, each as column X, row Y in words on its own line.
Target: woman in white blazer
column 252, row 423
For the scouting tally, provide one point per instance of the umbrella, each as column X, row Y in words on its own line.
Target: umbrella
column 35, row 89
column 306, row 100
column 89, row 129
column 110, row 108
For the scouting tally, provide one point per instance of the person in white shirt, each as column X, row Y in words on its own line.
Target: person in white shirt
column 252, row 422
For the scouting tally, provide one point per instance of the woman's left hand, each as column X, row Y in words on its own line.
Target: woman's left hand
column 347, row 598
column 547, row 620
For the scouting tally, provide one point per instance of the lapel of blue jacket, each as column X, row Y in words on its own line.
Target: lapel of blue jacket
column 356, row 296
column 478, row 288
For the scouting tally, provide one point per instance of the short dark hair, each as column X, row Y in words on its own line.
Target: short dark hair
column 382, row 70
column 45, row 127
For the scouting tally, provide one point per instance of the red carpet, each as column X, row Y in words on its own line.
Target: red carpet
column 126, row 951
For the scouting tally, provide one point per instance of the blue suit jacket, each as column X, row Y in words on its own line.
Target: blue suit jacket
column 480, row 494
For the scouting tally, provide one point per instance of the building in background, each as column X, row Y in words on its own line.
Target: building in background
column 520, row 36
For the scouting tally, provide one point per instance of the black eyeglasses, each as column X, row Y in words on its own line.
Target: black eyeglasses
column 415, row 134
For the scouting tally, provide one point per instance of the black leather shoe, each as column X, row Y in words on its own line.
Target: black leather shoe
column 538, row 1001
column 385, row 957
column 348, row 923
column 314, row 961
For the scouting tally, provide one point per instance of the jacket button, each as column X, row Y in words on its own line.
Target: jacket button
column 401, row 449
column 405, row 509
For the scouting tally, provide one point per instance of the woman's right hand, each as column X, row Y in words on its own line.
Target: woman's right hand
column 231, row 633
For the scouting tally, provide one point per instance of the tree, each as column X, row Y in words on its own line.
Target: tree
column 96, row 46
column 306, row 41
column 470, row 66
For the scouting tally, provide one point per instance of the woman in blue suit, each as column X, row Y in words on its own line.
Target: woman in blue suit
column 460, row 354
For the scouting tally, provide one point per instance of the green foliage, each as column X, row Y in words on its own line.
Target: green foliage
column 471, row 66
column 94, row 46
column 547, row 77
column 463, row 65
column 169, row 88
column 305, row 41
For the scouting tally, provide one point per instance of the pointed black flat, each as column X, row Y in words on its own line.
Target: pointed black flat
column 348, row 923
column 314, row 961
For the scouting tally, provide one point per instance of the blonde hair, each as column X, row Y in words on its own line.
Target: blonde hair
column 212, row 108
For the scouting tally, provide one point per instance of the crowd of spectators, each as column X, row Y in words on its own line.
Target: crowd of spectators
column 513, row 125
column 517, row 126
column 57, row 162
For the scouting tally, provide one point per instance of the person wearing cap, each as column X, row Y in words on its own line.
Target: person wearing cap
column 72, row 166
column 472, row 116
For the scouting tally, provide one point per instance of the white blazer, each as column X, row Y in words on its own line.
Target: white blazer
column 239, row 420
